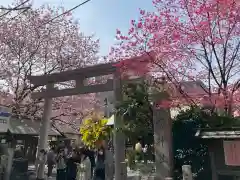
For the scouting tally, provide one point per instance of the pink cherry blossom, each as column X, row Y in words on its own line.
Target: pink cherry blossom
column 192, row 40
column 32, row 44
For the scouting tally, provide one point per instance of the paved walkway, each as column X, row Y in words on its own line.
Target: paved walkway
column 132, row 175
column 31, row 170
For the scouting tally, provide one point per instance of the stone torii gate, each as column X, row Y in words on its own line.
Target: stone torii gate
column 79, row 75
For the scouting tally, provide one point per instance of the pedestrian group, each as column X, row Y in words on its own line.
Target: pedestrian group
column 76, row 164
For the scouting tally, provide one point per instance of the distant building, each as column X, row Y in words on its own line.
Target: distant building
column 71, row 133
column 26, row 127
column 25, row 132
column 191, row 88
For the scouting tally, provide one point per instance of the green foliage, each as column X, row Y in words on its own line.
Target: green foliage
column 208, row 118
column 94, row 130
column 189, row 149
column 186, row 147
column 138, row 119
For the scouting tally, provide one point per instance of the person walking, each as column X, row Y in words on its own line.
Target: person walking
column 145, row 153
column 72, row 161
column 91, row 156
column 50, row 161
column 41, row 161
column 84, row 168
column 61, row 165
column 100, row 165
column 138, row 149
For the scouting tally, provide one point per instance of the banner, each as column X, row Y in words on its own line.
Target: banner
column 231, row 153
column 5, row 114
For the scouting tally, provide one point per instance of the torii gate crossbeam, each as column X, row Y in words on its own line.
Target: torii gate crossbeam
column 79, row 75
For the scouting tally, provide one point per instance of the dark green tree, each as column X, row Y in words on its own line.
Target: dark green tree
column 137, row 112
column 192, row 150
column 187, row 148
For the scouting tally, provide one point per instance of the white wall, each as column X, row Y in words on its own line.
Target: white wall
column 175, row 111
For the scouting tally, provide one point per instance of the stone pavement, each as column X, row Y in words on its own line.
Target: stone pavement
column 31, row 170
column 132, row 175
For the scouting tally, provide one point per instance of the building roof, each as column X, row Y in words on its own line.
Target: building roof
column 193, row 87
column 67, row 128
column 27, row 126
column 218, row 134
column 110, row 121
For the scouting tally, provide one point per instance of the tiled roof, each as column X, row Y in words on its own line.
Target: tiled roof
column 193, row 87
column 190, row 88
column 67, row 129
column 27, row 126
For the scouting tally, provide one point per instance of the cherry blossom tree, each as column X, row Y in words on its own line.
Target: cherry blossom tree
column 32, row 43
column 18, row 7
column 187, row 40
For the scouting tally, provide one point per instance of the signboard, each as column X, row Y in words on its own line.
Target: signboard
column 231, row 153
column 5, row 114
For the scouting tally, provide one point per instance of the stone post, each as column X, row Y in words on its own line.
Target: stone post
column 187, row 172
column 211, row 150
column 109, row 168
column 124, row 170
column 162, row 137
column 119, row 138
column 44, row 129
column 10, row 154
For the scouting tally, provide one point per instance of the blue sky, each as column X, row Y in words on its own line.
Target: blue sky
column 101, row 17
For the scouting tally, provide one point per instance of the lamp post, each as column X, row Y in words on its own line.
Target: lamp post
column 106, row 108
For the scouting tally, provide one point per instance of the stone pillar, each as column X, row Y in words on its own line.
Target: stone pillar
column 44, row 129
column 109, row 168
column 187, row 172
column 119, row 138
column 162, row 137
column 211, row 150
column 10, row 154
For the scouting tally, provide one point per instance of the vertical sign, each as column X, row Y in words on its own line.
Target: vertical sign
column 231, row 153
column 5, row 114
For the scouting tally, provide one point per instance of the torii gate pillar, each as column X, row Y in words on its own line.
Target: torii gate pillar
column 44, row 129
column 119, row 138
